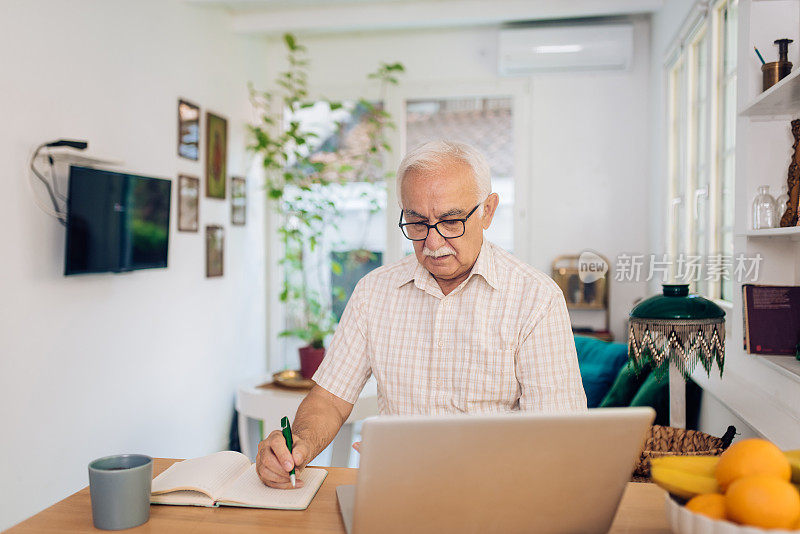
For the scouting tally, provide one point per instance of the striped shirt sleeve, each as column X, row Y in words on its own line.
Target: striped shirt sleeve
column 346, row 366
column 547, row 363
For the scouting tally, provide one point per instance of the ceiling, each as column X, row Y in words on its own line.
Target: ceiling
column 334, row 16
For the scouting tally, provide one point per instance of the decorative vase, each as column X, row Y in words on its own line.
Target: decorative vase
column 310, row 359
column 764, row 210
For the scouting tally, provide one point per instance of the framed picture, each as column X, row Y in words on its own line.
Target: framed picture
column 215, row 246
column 188, row 203
column 579, row 295
column 216, row 155
column 238, row 201
column 188, row 130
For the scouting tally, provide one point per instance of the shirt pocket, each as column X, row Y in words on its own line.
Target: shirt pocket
column 488, row 377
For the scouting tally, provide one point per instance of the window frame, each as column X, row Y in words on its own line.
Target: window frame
column 684, row 142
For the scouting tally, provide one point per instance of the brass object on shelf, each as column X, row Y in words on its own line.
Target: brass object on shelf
column 774, row 72
column 292, row 379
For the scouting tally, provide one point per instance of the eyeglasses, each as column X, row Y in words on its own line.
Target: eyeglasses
column 447, row 228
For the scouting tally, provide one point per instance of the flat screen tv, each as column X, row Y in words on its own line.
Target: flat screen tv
column 116, row 222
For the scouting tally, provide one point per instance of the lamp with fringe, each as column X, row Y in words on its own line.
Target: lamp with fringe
column 680, row 330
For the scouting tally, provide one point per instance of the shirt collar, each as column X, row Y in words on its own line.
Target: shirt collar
column 484, row 266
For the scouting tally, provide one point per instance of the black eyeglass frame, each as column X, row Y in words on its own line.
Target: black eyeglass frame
column 463, row 222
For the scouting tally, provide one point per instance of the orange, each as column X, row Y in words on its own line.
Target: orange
column 709, row 504
column 751, row 457
column 763, row 501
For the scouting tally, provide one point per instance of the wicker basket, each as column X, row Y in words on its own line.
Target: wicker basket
column 671, row 441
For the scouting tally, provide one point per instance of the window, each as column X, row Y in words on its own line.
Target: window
column 352, row 206
column 725, row 16
column 701, row 110
column 677, row 158
column 699, row 172
column 485, row 123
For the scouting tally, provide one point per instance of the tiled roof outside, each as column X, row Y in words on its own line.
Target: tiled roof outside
column 485, row 123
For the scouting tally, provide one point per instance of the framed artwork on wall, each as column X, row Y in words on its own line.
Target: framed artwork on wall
column 215, row 247
column 238, row 201
column 216, row 155
column 188, row 203
column 188, row 130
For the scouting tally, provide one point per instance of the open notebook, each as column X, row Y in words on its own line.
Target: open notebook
column 228, row 478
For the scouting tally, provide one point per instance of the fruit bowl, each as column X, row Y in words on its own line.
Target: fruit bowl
column 684, row 521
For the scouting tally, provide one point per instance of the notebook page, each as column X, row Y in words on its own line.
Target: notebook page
column 248, row 490
column 183, row 497
column 207, row 474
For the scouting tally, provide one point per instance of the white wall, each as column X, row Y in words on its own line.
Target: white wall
column 142, row 362
column 585, row 144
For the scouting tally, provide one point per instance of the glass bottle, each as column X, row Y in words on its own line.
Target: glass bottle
column 780, row 204
column 763, row 209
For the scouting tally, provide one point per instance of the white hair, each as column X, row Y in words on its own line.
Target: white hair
column 433, row 155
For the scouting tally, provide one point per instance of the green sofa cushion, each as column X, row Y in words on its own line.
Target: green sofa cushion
column 625, row 387
column 654, row 393
column 599, row 362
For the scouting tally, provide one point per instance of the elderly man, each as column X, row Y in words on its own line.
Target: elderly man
column 460, row 327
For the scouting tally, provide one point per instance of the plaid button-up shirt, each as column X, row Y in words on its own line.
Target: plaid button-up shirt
column 500, row 341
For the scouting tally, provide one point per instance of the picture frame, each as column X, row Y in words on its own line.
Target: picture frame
column 578, row 295
column 215, row 251
column 216, row 155
column 188, row 203
column 238, row 201
column 188, row 130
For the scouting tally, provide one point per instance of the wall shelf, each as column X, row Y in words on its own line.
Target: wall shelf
column 786, row 365
column 780, row 100
column 74, row 157
column 789, row 232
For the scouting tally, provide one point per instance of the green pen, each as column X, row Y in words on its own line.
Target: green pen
column 286, row 429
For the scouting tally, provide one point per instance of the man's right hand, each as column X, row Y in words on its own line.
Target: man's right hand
column 274, row 461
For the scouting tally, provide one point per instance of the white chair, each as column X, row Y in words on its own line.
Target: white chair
column 257, row 404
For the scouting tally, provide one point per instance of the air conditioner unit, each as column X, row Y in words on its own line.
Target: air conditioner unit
column 597, row 46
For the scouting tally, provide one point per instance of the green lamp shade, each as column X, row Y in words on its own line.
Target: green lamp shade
column 677, row 327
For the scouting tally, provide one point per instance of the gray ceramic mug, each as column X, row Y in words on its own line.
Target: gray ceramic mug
column 120, row 490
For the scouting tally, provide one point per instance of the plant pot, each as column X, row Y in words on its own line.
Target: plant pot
column 310, row 358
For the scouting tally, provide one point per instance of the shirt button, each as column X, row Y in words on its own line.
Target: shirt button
column 441, row 344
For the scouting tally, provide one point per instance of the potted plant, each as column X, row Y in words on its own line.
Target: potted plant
column 297, row 182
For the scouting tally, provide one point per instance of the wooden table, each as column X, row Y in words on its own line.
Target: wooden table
column 641, row 512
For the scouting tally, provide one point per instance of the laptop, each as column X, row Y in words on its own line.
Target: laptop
column 507, row 473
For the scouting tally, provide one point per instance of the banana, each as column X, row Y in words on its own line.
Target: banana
column 683, row 484
column 794, row 461
column 687, row 476
column 698, row 465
